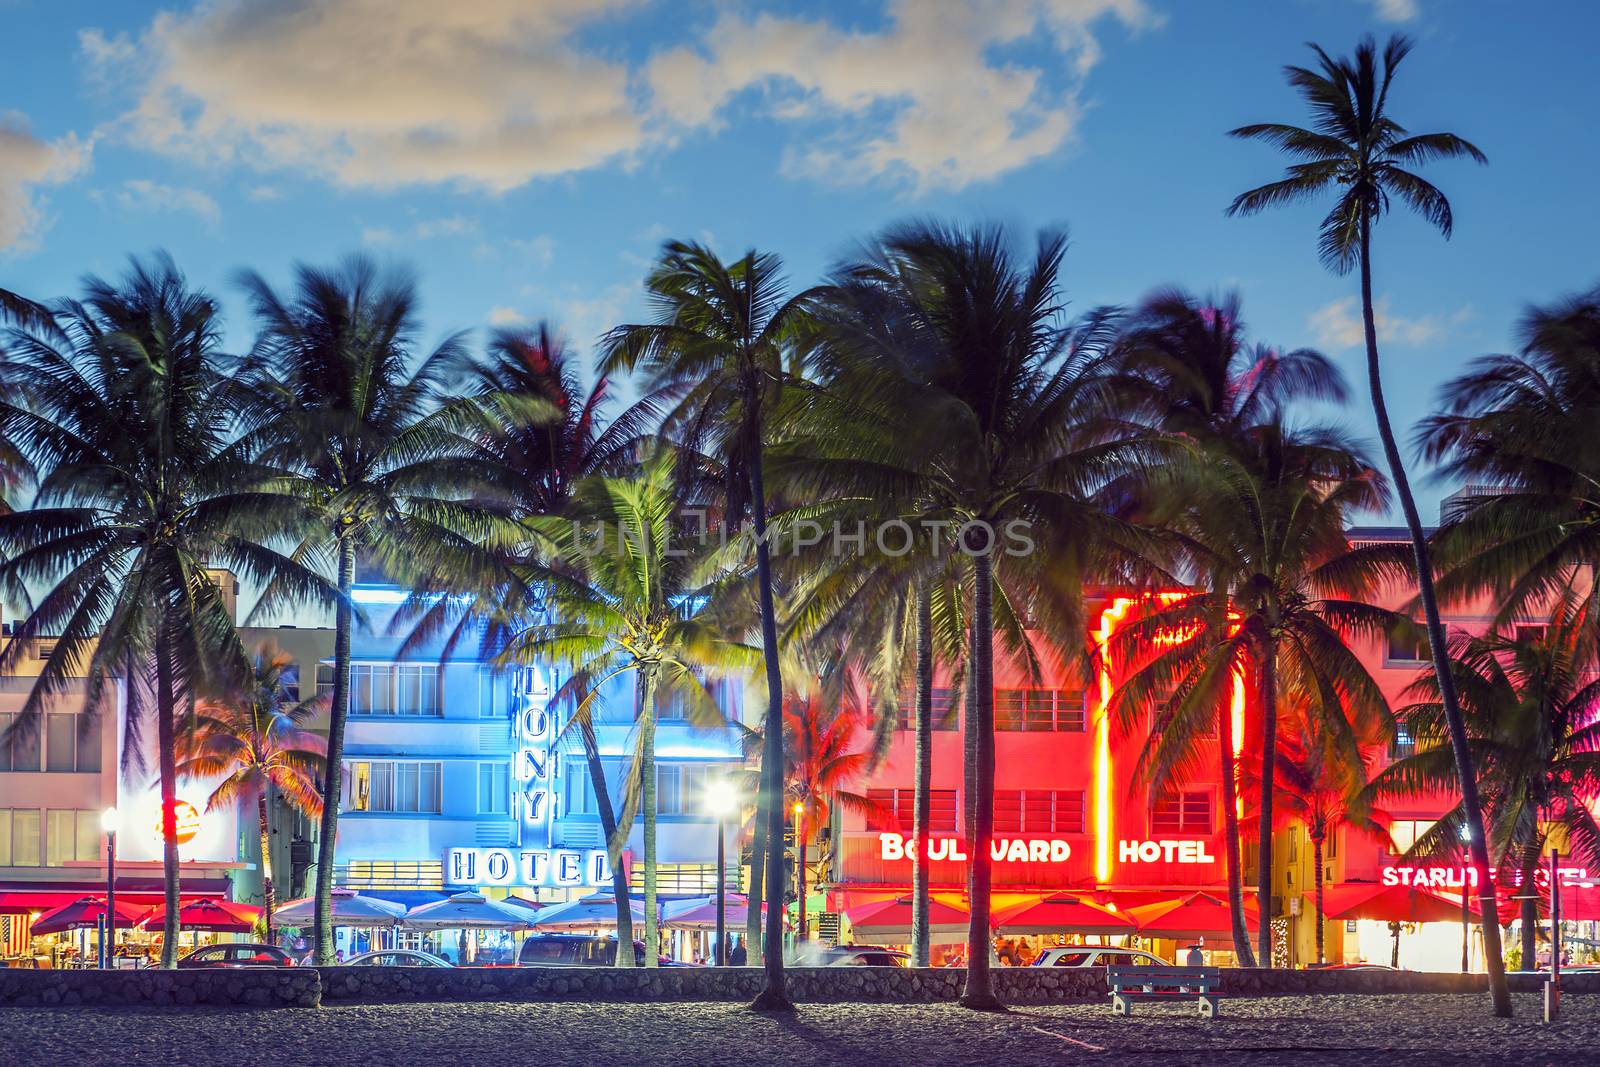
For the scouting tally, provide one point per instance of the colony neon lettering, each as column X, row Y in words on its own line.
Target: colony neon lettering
column 1001, row 849
column 1163, row 852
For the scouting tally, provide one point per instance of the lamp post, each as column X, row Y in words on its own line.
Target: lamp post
column 721, row 800
column 800, row 875
column 108, row 823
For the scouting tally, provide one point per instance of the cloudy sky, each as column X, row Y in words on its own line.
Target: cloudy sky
column 527, row 157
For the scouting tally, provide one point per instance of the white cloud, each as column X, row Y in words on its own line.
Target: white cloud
column 1338, row 325
column 1395, row 10
column 141, row 194
column 504, row 316
column 453, row 226
column 28, row 164
column 924, row 98
column 262, row 193
column 490, row 93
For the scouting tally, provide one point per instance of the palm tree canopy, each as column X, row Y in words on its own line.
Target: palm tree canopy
column 1355, row 147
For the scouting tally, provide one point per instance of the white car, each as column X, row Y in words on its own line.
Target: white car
column 396, row 958
column 1098, row 956
column 866, row 956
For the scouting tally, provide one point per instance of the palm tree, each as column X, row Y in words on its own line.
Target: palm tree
column 1008, row 418
column 1281, row 589
column 630, row 600
column 1357, row 149
column 131, row 417
column 1321, row 783
column 1519, row 426
column 1207, row 386
column 358, row 421
column 723, row 347
column 256, row 741
column 1529, row 705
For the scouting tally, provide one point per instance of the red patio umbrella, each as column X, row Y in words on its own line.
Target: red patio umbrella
column 85, row 914
column 1195, row 915
column 220, row 916
column 1389, row 903
column 1062, row 912
column 895, row 915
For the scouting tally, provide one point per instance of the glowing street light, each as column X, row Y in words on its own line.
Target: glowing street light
column 721, row 800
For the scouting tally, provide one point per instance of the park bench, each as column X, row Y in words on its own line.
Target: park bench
column 1199, row 984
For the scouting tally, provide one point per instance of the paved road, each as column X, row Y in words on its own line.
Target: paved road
column 1371, row 1031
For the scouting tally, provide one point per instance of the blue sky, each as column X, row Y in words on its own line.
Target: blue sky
column 527, row 158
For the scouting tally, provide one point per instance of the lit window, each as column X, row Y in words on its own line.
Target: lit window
column 1181, row 813
column 19, row 837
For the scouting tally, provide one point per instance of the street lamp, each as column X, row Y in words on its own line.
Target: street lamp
column 722, row 800
column 108, row 823
column 800, row 875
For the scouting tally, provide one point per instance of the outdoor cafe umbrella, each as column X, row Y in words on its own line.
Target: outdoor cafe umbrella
column 1058, row 912
column 1389, row 903
column 1194, row 915
column 887, row 918
column 218, row 916
column 700, row 913
column 586, row 913
column 468, row 911
column 349, row 909
column 85, row 914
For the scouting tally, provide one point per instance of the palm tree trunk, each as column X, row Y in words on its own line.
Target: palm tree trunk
column 167, row 757
column 1528, row 890
column 922, row 780
column 1466, row 930
column 1316, row 857
column 266, row 863
column 1394, row 949
column 647, row 801
column 979, row 993
column 1472, row 807
column 333, row 771
column 1228, row 772
column 775, row 995
column 1269, row 750
column 608, row 826
column 753, row 898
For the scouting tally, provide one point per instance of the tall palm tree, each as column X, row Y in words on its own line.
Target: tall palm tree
column 256, row 741
column 1520, row 427
column 723, row 347
column 1358, row 150
column 357, row 420
column 631, row 600
column 1529, row 703
column 1281, row 590
column 1209, row 387
column 1009, row 418
column 131, row 415
column 1321, row 783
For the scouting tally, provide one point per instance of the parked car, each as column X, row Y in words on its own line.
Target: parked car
column 246, row 954
column 1350, row 967
column 864, row 956
column 1097, row 956
column 580, row 950
column 397, row 958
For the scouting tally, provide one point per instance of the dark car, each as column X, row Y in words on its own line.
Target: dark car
column 579, row 950
column 241, row 955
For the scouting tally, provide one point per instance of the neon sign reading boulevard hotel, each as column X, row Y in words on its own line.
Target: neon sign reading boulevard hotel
column 1004, row 849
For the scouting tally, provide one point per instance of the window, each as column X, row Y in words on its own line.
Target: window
column 681, row 787
column 942, row 708
column 1039, row 811
column 394, row 689
column 394, row 786
column 494, row 788
column 1403, row 833
column 1039, row 710
column 324, row 679
column 72, row 743
column 23, row 753
column 580, row 790
column 1181, row 813
column 71, row 835
column 1404, row 744
column 1407, row 648
column 1527, row 634
column 19, row 837
column 897, row 808
column 289, row 680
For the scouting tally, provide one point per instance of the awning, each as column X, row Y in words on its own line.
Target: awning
column 28, row 901
column 1063, row 912
column 1388, row 903
column 1194, row 915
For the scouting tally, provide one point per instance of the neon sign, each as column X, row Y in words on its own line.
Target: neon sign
column 186, row 820
column 1163, row 852
column 535, row 764
column 1464, row 877
column 892, row 846
column 530, row 867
